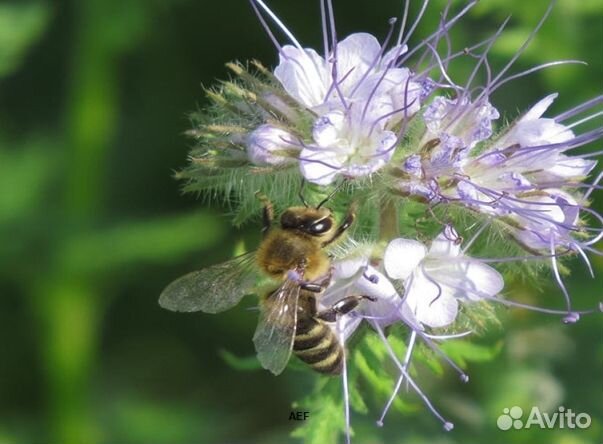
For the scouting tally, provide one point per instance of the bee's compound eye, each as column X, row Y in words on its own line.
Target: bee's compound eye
column 320, row 227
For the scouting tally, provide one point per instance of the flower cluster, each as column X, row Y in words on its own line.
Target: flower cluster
column 359, row 98
column 419, row 154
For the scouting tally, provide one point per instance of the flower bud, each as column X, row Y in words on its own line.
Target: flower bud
column 269, row 145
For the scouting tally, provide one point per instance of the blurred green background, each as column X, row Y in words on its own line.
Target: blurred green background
column 94, row 96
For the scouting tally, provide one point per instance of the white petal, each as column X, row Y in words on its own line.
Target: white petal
column 432, row 303
column 355, row 54
column 402, row 256
column 446, row 244
column 559, row 210
column 539, row 109
column 548, row 209
column 378, row 83
column 375, row 156
column 319, row 166
column 389, row 306
column 266, row 144
column 569, row 167
column 466, row 278
column 346, row 268
column 540, row 132
column 376, row 284
column 393, row 54
column 304, row 75
column 327, row 129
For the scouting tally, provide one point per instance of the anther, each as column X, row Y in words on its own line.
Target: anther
column 571, row 318
column 373, row 278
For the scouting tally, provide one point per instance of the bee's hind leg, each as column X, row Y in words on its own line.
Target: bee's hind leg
column 342, row 306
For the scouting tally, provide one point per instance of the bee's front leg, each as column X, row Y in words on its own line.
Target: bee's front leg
column 345, row 224
column 267, row 212
column 342, row 306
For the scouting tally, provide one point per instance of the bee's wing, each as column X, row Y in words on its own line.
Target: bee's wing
column 275, row 332
column 213, row 289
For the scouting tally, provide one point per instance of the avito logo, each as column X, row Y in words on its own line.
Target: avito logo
column 562, row 418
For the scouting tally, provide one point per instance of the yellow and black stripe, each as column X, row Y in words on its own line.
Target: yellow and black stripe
column 317, row 345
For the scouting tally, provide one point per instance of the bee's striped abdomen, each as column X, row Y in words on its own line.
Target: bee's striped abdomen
column 316, row 345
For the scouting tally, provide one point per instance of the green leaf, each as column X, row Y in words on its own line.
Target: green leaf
column 157, row 241
column 25, row 174
column 245, row 364
column 356, row 400
column 326, row 420
column 371, row 357
column 465, row 351
column 138, row 420
column 21, row 25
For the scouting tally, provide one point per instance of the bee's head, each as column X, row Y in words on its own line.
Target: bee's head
column 313, row 221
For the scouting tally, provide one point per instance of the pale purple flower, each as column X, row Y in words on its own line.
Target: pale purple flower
column 453, row 128
column 436, row 279
column 548, row 220
column 359, row 95
column 347, row 145
column 523, row 175
column 533, row 130
column 269, row 145
column 356, row 71
column 365, row 110
column 355, row 276
column 535, row 145
column 458, row 119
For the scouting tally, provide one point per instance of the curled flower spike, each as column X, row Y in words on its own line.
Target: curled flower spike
column 358, row 112
column 412, row 150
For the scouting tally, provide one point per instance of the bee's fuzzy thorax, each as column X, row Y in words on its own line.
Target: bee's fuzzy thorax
column 283, row 250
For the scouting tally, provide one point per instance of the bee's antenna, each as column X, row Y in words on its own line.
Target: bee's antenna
column 301, row 192
column 326, row 199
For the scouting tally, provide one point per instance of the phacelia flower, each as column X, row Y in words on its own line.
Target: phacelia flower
column 383, row 306
column 359, row 95
column 347, row 145
column 436, row 279
column 356, row 70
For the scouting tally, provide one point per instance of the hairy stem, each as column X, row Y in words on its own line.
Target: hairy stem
column 389, row 224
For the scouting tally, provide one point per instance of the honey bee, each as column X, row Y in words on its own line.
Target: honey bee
column 293, row 256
